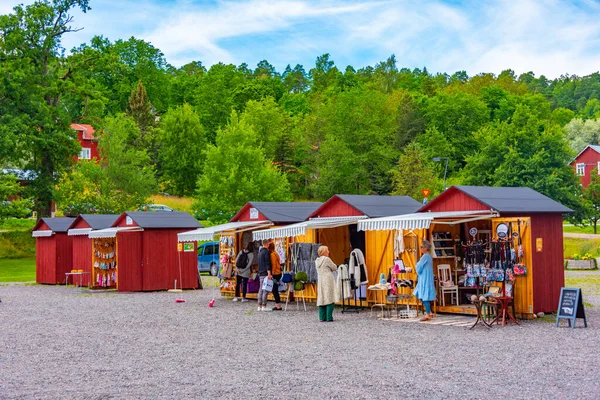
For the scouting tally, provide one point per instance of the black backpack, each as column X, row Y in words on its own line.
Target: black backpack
column 242, row 260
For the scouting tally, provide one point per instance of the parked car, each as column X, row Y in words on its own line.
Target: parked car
column 208, row 258
column 154, row 207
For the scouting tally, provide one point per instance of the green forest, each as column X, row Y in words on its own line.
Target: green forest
column 228, row 134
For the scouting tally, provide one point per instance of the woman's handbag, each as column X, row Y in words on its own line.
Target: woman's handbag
column 227, row 271
column 267, row 285
column 287, row 277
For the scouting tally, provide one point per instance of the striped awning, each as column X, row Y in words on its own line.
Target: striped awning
column 301, row 227
column 79, row 231
column 46, row 233
column 112, row 232
column 423, row 220
column 210, row 232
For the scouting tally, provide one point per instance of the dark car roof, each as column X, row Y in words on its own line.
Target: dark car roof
column 164, row 219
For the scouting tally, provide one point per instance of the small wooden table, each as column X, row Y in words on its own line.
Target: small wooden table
column 503, row 313
column 480, row 320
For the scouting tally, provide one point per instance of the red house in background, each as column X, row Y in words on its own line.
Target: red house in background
column 585, row 162
column 88, row 142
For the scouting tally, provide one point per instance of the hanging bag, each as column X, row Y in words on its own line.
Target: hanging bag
column 227, row 270
column 267, row 285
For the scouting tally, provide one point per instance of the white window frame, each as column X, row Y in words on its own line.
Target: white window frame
column 598, row 167
column 580, row 168
column 85, row 151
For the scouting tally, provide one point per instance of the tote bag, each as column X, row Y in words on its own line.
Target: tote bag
column 267, row 285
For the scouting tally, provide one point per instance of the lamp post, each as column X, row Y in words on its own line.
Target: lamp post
column 438, row 159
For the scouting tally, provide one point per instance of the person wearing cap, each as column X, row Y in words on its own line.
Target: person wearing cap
column 325, row 284
column 425, row 290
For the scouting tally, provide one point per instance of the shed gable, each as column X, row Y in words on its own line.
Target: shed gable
column 454, row 200
column 336, row 207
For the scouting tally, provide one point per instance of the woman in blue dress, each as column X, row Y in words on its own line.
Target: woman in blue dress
column 425, row 290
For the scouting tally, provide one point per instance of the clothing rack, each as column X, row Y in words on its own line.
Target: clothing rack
column 349, row 308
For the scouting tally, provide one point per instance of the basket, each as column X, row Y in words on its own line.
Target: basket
column 407, row 314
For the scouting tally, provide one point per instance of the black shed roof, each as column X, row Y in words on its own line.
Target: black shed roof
column 286, row 212
column 163, row 219
column 381, row 206
column 514, row 199
column 59, row 225
column 99, row 221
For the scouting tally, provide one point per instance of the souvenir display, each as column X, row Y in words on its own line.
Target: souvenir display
column 104, row 262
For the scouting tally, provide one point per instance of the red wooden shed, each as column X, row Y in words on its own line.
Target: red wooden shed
column 53, row 250
column 546, row 234
column 140, row 252
column 82, row 244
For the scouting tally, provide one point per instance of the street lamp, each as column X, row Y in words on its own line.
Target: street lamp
column 438, row 159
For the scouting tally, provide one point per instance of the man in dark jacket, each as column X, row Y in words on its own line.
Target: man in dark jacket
column 264, row 268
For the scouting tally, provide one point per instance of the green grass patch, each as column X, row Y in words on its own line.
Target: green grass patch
column 588, row 281
column 21, row 270
column 17, row 244
column 578, row 246
column 176, row 203
column 580, row 229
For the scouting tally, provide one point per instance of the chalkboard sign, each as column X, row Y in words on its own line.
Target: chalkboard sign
column 570, row 306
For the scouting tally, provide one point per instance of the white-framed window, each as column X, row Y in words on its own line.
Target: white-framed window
column 598, row 167
column 86, row 154
column 580, row 169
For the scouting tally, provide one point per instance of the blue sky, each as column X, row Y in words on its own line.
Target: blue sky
column 544, row 36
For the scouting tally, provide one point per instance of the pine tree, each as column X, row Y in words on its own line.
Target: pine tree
column 141, row 110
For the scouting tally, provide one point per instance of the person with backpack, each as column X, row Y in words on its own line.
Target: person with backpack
column 243, row 264
column 264, row 272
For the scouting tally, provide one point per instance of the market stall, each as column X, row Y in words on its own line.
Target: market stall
column 473, row 228
column 140, row 252
column 236, row 234
column 334, row 224
column 53, row 250
column 84, row 258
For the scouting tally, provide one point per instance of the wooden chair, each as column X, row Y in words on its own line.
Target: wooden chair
column 445, row 276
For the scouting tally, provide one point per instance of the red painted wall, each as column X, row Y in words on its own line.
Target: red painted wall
column 82, row 252
column 454, row 200
column 64, row 255
column 90, row 144
column 336, row 207
column 129, row 262
column 53, row 257
column 45, row 260
column 161, row 261
column 589, row 157
column 82, row 256
column 548, row 265
column 245, row 215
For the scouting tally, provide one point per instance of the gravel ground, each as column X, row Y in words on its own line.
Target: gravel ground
column 68, row 343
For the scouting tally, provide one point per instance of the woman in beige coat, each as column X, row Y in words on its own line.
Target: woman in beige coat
column 325, row 284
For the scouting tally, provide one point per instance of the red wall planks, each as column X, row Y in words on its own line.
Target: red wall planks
column 244, row 215
column 454, row 200
column 549, row 271
column 590, row 158
column 129, row 262
column 45, row 260
column 82, row 256
column 336, row 207
column 64, row 255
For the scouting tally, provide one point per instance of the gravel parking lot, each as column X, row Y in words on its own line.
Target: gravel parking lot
column 68, row 343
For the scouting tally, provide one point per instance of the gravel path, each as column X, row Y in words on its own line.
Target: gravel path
column 67, row 343
column 581, row 235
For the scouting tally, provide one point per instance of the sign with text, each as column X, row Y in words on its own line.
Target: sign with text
column 179, row 246
column 539, row 244
column 570, row 306
column 253, row 213
column 188, row 247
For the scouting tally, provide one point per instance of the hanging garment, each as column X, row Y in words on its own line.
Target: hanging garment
column 303, row 259
column 399, row 243
column 342, row 284
column 358, row 267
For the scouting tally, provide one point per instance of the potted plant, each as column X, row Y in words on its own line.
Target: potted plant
column 300, row 280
